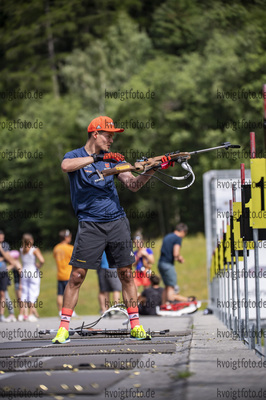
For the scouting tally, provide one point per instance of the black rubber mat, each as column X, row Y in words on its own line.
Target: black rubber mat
column 64, row 363
column 57, row 382
column 72, row 350
column 17, row 348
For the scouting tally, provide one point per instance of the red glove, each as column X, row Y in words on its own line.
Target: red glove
column 115, row 157
column 112, row 157
column 166, row 162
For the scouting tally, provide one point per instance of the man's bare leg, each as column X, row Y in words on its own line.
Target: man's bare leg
column 104, row 302
column 70, row 300
column 164, row 297
column 59, row 302
column 129, row 290
column 71, row 292
column 172, row 296
column 116, row 297
column 179, row 297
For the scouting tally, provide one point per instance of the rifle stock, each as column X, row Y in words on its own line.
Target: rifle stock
column 118, row 169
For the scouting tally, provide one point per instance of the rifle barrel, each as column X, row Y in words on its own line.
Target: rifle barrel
column 226, row 146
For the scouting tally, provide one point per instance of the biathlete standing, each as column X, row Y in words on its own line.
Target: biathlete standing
column 103, row 224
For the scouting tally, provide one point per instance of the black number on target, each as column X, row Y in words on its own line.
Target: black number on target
column 260, row 185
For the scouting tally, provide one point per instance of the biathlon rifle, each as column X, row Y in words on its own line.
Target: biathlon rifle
column 145, row 164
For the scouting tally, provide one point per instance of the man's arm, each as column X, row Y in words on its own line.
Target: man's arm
column 134, row 183
column 149, row 256
column 142, row 297
column 176, row 254
column 73, row 164
column 10, row 259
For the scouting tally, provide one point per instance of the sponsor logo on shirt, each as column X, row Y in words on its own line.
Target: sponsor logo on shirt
column 86, row 168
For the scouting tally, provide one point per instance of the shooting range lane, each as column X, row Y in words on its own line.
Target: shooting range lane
column 91, row 365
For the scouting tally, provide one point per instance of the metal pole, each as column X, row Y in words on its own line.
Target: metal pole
column 257, row 286
column 228, row 277
column 245, row 256
column 224, row 279
column 252, row 145
column 238, row 292
column 229, row 307
column 232, row 256
column 224, row 311
column 256, row 256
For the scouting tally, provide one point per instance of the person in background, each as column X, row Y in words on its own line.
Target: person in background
column 5, row 246
column 4, row 256
column 170, row 252
column 32, row 260
column 14, row 273
column 108, row 283
column 144, row 259
column 62, row 253
column 151, row 297
column 15, row 254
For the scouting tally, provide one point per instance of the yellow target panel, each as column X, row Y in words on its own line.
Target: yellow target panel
column 227, row 244
column 237, row 211
column 216, row 256
column 258, row 193
column 221, row 264
column 238, row 241
column 212, row 268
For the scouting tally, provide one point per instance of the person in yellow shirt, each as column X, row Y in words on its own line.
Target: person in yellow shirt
column 62, row 253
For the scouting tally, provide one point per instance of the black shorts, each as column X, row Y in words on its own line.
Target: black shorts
column 16, row 276
column 3, row 280
column 94, row 237
column 61, row 285
column 108, row 280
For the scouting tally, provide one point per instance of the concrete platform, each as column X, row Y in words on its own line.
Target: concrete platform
column 197, row 359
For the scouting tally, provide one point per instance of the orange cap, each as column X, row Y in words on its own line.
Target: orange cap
column 103, row 124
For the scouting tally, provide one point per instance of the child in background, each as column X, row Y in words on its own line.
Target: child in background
column 144, row 259
column 30, row 277
column 151, row 297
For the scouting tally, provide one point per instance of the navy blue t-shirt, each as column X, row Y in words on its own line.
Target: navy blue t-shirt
column 93, row 201
column 167, row 248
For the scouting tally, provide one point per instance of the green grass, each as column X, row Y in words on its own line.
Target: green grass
column 192, row 279
column 182, row 375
